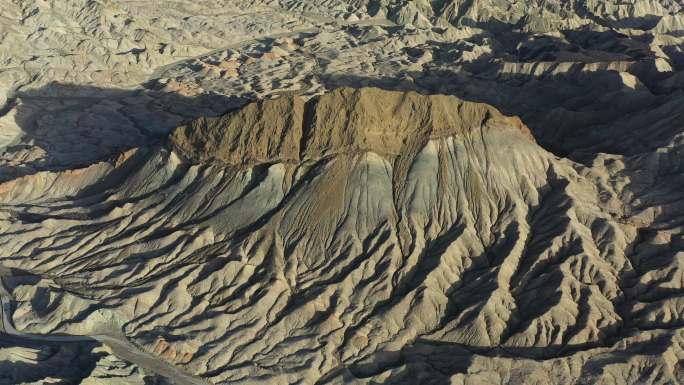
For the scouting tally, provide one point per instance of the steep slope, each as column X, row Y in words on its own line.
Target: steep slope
column 360, row 236
column 346, row 120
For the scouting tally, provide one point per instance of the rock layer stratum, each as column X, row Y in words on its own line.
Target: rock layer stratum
column 292, row 129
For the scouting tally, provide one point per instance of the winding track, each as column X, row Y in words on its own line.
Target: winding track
column 122, row 349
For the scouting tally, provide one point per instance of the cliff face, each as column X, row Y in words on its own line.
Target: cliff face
column 345, row 120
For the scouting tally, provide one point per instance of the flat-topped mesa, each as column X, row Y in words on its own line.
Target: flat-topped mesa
column 291, row 129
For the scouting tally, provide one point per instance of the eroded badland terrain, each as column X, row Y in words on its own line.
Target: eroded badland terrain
column 342, row 192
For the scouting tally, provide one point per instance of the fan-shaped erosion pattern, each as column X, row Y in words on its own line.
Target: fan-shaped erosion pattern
column 359, row 236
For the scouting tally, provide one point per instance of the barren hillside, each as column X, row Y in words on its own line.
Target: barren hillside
column 342, row 192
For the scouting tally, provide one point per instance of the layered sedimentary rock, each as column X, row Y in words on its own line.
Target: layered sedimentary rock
column 337, row 240
column 292, row 129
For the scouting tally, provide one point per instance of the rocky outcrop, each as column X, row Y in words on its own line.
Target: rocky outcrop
column 346, row 120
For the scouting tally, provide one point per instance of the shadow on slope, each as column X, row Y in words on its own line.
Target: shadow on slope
column 72, row 361
column 67, row 126
column 576, row 115
column 435, row 362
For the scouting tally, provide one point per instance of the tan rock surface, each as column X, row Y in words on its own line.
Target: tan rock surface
column 346, row 120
